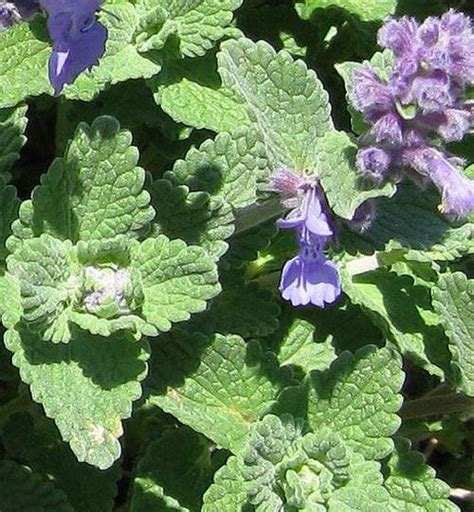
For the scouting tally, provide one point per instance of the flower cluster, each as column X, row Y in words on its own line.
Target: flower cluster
column 421, row 105
column 78, row 38
column 309, row 277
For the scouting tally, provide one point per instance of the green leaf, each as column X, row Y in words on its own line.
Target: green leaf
column 121, row 60
column 176, row 280
column 217, row 386
column 21, row 490
column 366, row 10
column 228, row 491
column 358, row 398
column 86, row 386
column 13, row 123
column 173, row 474
column 47, row 273
column 453, row 301
column 195, row 217
column 196, row 25
column 284, row 101
column 10, row 301
column 9, row 205
column 24, row 71
column 340, row 179
column 94, row 193
column 300, row 348
column 398, row 309
column 37, row 441
column 412, row 484
column 410, row 221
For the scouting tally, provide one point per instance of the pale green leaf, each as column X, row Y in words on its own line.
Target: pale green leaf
column 217, row 386
column 412, row 484
column 397, row 307
column 24, row 53
column 94, row 193
column 285, row 102
column 49, row 280
column 176, row 280
column 196, row 24
column 195, row 217
column 86, row 386
column 300, row 348
column 453, row 300
column 358, row 398
column 12, row 135
column 173, row 474
column 339, row 177
column 37, row 441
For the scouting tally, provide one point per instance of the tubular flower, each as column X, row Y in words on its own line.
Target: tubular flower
column 309, row 277
column 78, row 38
column 422, row 99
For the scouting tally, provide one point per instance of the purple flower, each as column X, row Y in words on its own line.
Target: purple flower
column 457, row 191
column 308, row 278
column 78, row 38
column 422, row 100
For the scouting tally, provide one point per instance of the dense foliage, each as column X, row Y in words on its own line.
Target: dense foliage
column 236, row 256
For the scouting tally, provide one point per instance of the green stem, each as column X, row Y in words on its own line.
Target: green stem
column 434, row 405
column 255, row 214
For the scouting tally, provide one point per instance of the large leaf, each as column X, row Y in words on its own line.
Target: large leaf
column 280, row 98
column 217, row 386
column 358, row 398
column 87, row 386
column 94, row 193
column 453, row 300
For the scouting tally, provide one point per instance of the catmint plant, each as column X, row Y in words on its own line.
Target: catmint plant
column 225, row 280
column 420, row 107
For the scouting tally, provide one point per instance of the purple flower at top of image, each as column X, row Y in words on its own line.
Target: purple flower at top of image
column 309, row 277
column 421, row 102
column 78, row 38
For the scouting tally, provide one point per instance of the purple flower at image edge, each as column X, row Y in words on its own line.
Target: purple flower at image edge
column 78, row 39
column 309, row 277
column 423, row 100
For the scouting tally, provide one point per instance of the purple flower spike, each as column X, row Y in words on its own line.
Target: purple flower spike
column 310, row 278
column 433, row 93
column 78, row 39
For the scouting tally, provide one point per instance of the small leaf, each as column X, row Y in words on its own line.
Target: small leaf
column 217, row 386
column 339, row 177
column 300, row 348
column 86, row 386
column 176, row 280
column 21, row 490
column 453, row 300
column 358, row 398
column 9, row 206
column 196, row 25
